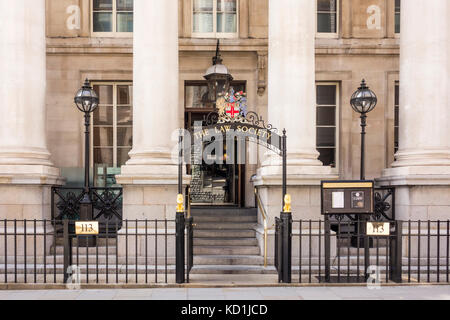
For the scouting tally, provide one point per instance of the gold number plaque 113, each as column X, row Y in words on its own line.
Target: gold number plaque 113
column 86, row 227
column 378, row 229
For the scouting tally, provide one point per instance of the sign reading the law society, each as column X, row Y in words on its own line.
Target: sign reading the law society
column 233, row 121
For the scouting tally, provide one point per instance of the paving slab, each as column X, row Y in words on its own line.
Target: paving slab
column 242, row 293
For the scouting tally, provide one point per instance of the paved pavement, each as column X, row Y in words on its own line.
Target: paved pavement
column 259, row 293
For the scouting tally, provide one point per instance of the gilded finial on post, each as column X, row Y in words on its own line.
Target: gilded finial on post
column 180, row 200
column 287, row 203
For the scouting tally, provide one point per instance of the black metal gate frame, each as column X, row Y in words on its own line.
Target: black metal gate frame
column 184, row 223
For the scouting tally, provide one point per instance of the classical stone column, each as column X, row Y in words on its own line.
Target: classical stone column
column 292, row 103
column 150, row 176
column 25, row 167
column 422, row 168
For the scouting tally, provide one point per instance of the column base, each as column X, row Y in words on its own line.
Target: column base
column 422, row 193
column 422, row 158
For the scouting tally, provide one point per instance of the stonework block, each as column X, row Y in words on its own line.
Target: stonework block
column 160, row 195
column 133, row 195
column 25, row 202
column 20, row 195
column 418, row 213
column 430, row 195
column 439, row 212
column 305, row 201
column 9, row 211
column 146, row 245
column 140, row 212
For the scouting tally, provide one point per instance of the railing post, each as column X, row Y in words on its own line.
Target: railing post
column 67, row 250
column 190, row 246
column 366, row 239
column 396, row 253
column 277, row 248
column 286, row 238
column 179, row 248
column 327, row 249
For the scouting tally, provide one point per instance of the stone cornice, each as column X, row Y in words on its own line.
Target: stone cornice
column 124, row 46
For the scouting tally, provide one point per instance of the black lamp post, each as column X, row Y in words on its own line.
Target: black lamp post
column 363, row 101
column 218, row 77
column 86, row 101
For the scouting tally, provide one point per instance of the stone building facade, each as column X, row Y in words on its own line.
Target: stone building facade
column 299, row 61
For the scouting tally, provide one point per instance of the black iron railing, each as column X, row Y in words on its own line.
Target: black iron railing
column 413, row 252
column 144, row 252
column 32, row 252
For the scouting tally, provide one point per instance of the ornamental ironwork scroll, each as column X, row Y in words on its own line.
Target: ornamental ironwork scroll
column 107, row 205
column 233, row 120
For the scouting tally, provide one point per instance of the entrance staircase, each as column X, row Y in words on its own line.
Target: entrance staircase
column 225, row 241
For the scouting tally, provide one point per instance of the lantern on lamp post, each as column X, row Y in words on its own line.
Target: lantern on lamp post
column 363, row 101
column 218, row 77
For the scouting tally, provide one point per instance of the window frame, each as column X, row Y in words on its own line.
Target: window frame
column 114, row 84
column 113, row 33
column 329, row 35
column 337, row 125
column 215, row 34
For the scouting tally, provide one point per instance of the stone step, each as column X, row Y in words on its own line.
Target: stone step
column 225, row 218
column 222, row 211
column 208, row 233
column 225, row 242
column 228, row 260
column 219, row 259
column 101, row 242
column 92, row 259
column 224, row 226
column 238, row 269
column 231, row 250
column 354, row 251
column 92, row 269
column 82, row 250
column 207, row 268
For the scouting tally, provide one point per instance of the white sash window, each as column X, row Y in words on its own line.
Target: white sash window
column 397, row 15
column 112, row 17
column 327, row 124
column 327, row 18
column 215, row 18
column 112, row 127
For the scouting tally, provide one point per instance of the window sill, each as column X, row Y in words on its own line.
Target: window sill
column 327, row 35
column 112, row 34
column 215, row 35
